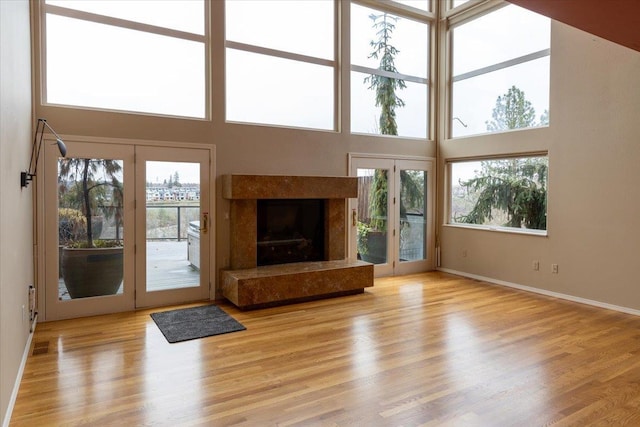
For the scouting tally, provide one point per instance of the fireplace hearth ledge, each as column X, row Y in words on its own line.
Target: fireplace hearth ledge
column 287, row 283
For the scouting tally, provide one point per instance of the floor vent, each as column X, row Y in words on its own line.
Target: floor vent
column 41, row 347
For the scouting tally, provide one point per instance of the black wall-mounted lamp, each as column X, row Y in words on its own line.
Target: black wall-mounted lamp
column 26, row 177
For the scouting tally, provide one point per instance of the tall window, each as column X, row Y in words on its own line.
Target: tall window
column 280, row 62
column 500, row 78
column 389, row 71
column 509, row 193
column 140, row 56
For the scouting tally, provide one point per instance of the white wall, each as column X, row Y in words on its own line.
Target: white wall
column 594, row 181
column 16, row 253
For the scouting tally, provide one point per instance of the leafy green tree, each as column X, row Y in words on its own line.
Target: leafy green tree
column 388, row 100
column 544, row 118
column 512, row 111
column 385, row 87
column 82, row 187
column 514, row 190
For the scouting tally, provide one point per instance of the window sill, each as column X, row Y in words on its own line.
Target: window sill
column 494, row 228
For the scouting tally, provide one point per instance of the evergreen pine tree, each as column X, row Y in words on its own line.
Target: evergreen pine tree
column 388, row 100
column 512, row 189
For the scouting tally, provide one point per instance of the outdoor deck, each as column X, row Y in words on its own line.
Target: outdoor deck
column 167, row 268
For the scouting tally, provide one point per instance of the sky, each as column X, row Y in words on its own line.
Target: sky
column 158, row 172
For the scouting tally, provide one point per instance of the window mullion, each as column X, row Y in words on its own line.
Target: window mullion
column 279, row 53
column 505, row 64
column 123, row 23
column 389, row 74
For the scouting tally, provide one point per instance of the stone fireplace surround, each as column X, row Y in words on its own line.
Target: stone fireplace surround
column 248, row 286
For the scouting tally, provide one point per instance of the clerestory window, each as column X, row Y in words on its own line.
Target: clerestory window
column 281, row 63
column 136, row 56
column 500, row 75
column 390, row 71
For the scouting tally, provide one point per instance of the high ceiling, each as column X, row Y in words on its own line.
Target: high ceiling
column 615, row 20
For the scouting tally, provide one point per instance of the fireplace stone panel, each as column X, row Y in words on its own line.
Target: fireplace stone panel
column 334, row 275
column 244, row 233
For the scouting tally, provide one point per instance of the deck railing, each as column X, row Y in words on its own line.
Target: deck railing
column 170, row 222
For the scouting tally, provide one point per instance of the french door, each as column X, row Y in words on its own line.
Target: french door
column 172, row 225
column 392, row 219
column 124, row 226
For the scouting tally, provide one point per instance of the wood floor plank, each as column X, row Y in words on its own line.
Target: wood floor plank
column 428, row 349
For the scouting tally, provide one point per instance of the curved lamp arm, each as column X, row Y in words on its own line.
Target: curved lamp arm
column 26, row 177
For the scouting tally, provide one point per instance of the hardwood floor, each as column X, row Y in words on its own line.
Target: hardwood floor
column 428, row 349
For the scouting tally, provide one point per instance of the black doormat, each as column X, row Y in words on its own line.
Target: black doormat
column 195, row 322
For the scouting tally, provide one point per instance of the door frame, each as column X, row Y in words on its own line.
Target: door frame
column 49, row 167
column 393, row 266
column 81, row 307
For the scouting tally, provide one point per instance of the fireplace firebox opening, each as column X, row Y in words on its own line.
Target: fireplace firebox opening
column 290, row 230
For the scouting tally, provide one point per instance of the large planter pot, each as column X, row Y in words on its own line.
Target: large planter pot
column 376, row 244
column 93, row 271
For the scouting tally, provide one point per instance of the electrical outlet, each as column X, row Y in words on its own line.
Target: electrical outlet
column 554, row 268
column 464, row 253
column 536, row 265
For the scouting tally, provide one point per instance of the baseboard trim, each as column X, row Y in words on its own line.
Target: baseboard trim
column 559, row 295
column 16, row 385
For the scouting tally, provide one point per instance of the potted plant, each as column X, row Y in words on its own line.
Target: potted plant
column 72, row 226
column 90, row 266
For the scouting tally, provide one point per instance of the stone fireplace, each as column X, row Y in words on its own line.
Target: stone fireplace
column 288, row 240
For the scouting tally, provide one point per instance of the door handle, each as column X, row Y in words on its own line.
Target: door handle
column 205, row 221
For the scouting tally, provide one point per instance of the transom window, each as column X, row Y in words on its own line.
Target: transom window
column 137, row 56
column 389, row 72
column 280, row 63
column 500, row 78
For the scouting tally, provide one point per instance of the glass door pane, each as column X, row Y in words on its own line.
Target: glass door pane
column 90, row 227
column 413, row 224
column 415, row 242
column 372, row 215
column 173, row 225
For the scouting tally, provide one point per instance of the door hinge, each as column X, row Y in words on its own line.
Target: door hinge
column 394, row 200
column 394, row 232
column 394, row 168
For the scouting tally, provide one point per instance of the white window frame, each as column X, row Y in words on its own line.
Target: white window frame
column 496, row 228
column 425, row 17
column 244, row 47
column 130, row 25
column 464, row 14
